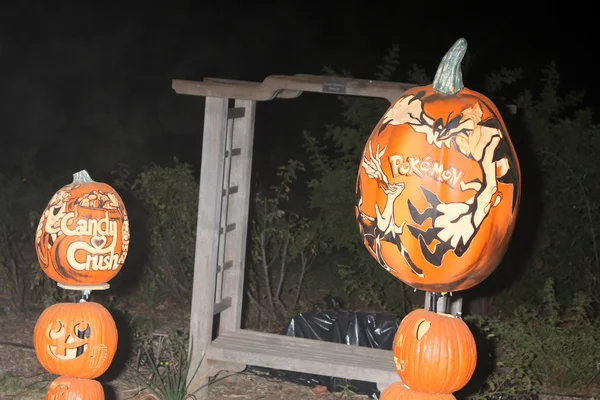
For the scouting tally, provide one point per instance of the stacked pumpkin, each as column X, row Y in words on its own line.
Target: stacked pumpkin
column 437, row 195
column 81, row 242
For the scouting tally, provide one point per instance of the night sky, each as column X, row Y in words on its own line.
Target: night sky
column 89, row 86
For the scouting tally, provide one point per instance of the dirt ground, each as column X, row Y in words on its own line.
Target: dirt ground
column 22, row 377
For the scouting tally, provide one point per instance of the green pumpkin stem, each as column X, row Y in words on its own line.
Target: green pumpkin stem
column 82, row 177
column 448, row 77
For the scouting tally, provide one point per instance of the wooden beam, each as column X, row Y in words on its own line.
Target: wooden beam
column 290, row 86
column 305, row 355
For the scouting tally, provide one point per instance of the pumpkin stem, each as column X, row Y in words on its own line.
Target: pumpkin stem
column 448, row 77
column 82, row 177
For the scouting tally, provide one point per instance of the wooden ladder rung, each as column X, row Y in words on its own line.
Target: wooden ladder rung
column 304, row 355
column 221, row 306
column 234, row 152
column 228, row 228
column 236, row 112
column 225, row 266
column 232, row 190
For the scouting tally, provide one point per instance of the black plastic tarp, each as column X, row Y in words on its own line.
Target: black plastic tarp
column 369, row 329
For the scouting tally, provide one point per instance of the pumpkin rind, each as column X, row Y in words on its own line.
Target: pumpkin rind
column 83, row 235
column 434, row 352
column 75, row 339
column 438, row 187
column 399, row 391
column 68, row 388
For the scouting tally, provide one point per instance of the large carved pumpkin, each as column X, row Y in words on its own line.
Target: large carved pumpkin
column 399, row 391
column 438, row 186
column 434, row 352
column 67, row 388
column 75, row 339
column 83, row 235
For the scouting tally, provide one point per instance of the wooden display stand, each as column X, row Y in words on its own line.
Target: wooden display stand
column 221, row 235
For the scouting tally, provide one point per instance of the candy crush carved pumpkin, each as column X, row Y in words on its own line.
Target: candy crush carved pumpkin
column 438, row 187
column 75, row 339
column 434, row 352
column 399, row 391
column 67, row 388
column 83, row 234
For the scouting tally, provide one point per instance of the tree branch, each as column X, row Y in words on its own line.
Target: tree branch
column 263, row 253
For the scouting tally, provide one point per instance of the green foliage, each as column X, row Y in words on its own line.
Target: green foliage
column 565, row 141
column 283, row 245
column 334, row 161
column 170, row 368
column 22, row 199
column 539, row 348
column 169, row 196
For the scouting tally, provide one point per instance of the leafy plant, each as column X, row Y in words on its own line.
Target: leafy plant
column 282, row 241
column 334, row 163
column 169, row 379
column 170, row 198
column 539, row 348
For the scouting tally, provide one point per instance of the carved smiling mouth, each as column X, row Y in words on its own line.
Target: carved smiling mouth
column 69, row 353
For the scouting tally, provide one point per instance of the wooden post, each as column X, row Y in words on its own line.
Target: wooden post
column 207, row 241
column 235, row 246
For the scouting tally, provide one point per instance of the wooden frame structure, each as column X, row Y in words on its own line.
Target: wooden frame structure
column 221, row 236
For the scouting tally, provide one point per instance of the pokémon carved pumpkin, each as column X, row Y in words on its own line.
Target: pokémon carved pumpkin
column 434, row 352
column 399, row 391
column 83, row 234
column 75, row 339
column 67, row 388
column 438, row 187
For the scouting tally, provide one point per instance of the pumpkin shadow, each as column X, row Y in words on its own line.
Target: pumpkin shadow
column 109, row 392
column 129, row 277
column 486, row 361
column 124, row 346
column 520, row 249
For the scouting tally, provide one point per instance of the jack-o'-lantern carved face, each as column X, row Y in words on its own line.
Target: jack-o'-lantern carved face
column 83, row 235
column 68, row 339
column 438, row 186
column 68, row 388
column 75, row 339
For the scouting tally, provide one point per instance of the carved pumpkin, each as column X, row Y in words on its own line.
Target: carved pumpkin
column 83, row 234
column 67, row 388
column 438, row 186
column 434, row 352
column 399, row 391
column 75, row 339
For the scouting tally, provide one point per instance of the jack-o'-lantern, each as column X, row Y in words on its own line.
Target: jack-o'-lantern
column 399, row 391
column 434, row 352
column 68, row 388
column 438, row 187
column 75, row 339
column 83, row 235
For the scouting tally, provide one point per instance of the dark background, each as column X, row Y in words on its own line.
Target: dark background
column 88, row 84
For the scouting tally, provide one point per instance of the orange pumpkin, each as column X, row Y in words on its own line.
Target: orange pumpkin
column 67, row 388
column 399, row 391
column 434, row 352
column 83, row 235
column 75, row 339
column 438, row 186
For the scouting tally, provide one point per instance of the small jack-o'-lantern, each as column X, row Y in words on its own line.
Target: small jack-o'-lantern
column 83, row 234
column 68, row 388
column 75, row 339
column 399, row 391
column 434, row 352
column 438, row 186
